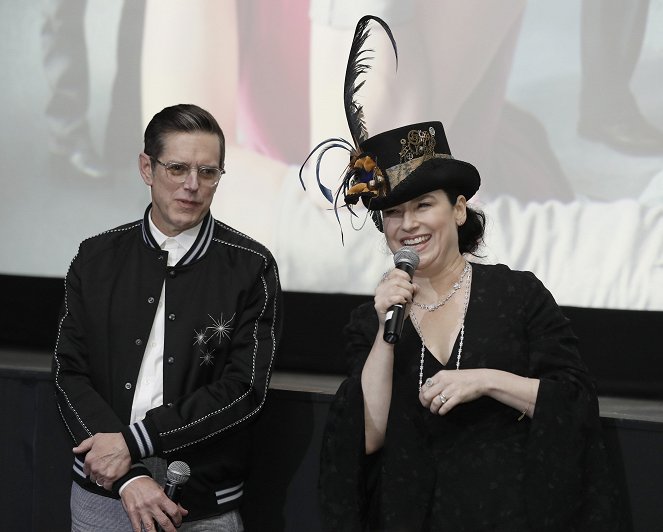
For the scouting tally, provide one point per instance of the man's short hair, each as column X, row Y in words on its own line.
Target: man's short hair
column 181, row 118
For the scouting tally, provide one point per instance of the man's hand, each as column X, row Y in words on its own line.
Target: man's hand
column 107, row 458
column 145, row 502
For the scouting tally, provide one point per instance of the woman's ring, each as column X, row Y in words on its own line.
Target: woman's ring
column 443, row 398
column 100, row 484
column 429, row 383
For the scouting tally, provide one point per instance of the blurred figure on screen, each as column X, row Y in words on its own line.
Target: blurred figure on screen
column 258, row 93
column 166, row 342
column 65, row 57
column 460, row 55
column 612, row 37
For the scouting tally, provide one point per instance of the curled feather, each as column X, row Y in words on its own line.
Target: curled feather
column 323, row 147
column 358, row 65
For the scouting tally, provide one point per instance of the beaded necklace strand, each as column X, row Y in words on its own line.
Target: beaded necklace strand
column 467, row 270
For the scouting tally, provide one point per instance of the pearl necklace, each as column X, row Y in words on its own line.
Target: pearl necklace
column 430, row 307
column 467, row 270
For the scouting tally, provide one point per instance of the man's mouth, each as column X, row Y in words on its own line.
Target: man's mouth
column 188, row 203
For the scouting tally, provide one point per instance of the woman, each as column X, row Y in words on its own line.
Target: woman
column 482, row 416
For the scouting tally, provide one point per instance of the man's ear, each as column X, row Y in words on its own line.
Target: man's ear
column 145, row 168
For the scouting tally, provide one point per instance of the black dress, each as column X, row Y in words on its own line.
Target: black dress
column 478, row 467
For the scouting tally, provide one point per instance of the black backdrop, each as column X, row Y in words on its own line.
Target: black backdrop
column 622, row 348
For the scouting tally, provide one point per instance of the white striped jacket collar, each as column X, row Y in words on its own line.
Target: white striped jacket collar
column 199, row 247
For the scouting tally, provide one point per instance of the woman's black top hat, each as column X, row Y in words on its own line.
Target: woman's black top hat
column 416, row 159
column 395, row 166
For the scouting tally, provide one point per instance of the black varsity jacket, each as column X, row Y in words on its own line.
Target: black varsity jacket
column 222, row 329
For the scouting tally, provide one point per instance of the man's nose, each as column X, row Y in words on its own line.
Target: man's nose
column 191, row 181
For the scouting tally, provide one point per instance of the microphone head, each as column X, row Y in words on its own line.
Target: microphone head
column 406, row 255
column 178, row 473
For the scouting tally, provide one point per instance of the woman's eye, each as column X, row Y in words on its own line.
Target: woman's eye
column 424, row 204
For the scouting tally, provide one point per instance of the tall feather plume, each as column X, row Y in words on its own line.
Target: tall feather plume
column 358, row 65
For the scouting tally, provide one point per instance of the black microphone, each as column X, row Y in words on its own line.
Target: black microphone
column 177, row 475
column 405, row 259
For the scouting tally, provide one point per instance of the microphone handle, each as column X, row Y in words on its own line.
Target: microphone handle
column 173, row 492
column 393, row 325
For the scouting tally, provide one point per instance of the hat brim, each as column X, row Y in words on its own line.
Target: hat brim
column 434, row 174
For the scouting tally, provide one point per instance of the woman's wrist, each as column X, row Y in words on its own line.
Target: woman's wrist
column 380, row 341
column 486, row 381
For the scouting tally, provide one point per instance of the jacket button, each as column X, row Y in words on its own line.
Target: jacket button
column 138, row 341
column 128, row 386
column 171, row 317
column 150, row 300
column 172, row 273
column 171, row 360
column 169, row 405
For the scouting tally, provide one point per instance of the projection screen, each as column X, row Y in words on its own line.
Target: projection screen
column 557, row 103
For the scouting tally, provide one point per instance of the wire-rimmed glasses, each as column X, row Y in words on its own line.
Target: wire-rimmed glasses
column 177, row 172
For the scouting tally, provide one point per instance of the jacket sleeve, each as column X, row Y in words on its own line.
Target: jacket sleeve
column 238, row 395
column 346, row 472
column 83, row 410
column 567, row 469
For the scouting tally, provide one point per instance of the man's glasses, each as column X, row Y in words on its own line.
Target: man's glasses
column 208, row 176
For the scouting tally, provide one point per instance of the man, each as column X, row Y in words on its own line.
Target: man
column 165, row 346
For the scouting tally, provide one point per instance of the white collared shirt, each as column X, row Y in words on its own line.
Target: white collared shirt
column 149, row 386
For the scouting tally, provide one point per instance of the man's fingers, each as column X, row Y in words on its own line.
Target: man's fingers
column 165, row 523
column 83, row 447
column 148, row 523
column 183, row 510
column 135, row 521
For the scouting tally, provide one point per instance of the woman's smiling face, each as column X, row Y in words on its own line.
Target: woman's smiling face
column 428, row 224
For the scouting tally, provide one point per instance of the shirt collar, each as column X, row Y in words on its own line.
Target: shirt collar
column 185, row 239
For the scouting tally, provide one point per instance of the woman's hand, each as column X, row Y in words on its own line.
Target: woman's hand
column 448, row 388
column 394, row 288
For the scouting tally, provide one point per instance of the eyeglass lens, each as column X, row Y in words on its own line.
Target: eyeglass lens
column 206, row 174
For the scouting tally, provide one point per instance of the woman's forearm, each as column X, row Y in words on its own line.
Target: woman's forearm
column 376, row 382
column 512, row 390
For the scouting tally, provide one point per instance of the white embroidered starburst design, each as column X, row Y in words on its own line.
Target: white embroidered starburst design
column 199, row 337
column 221, row 327
column 207, row 358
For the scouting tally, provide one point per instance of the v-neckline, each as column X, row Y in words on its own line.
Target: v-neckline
column 454, row 349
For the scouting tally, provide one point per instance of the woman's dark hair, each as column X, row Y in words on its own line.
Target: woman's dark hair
column 182, row 118
column 470, row 234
